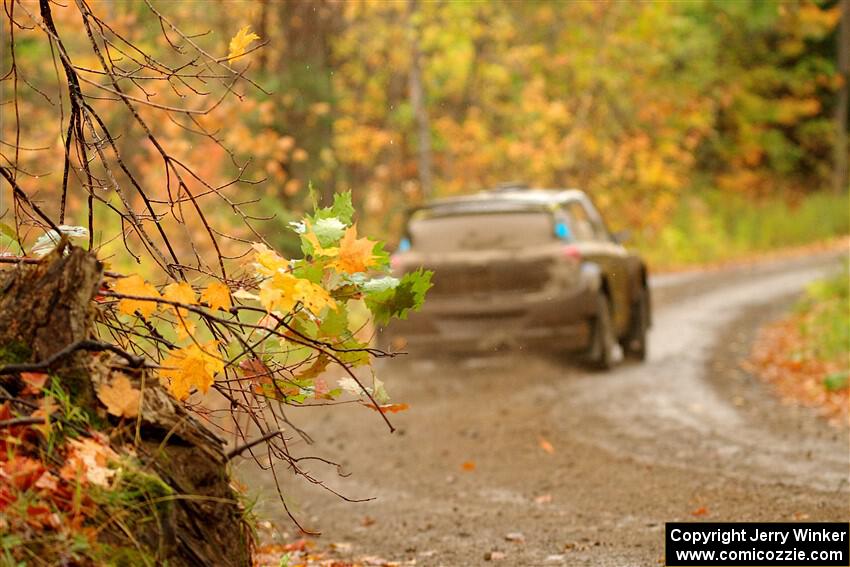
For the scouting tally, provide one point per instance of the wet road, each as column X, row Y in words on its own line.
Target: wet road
column 685, row 435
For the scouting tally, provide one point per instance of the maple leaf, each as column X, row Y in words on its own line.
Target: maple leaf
column 217, row 296
column 189, row 367
column 120, row 397
column 181, row 293
column 283, row 291
column 135, row 285
column 240, row 42
column 267, row 261
column 257, row 372
column 355, row 254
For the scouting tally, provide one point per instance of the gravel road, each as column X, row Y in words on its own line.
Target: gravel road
column 687, row 435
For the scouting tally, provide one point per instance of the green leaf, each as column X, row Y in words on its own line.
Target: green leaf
column 8, row 240
column 313, row 271
column 342, row 209
column 335, row 323
column 328, row 231
column 398, row 301
column 355, row 355
column 377, row 285
column 382, row 257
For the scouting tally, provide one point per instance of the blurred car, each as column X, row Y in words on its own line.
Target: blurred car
column 531, row 268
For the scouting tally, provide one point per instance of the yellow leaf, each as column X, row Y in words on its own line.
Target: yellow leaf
column 283, row 291
column 318, row 250
column 240, row 42
column 189, row 367
column 120, row 397
column 180, row 292
column 217, row 296
column 135, row 285
column 267, row 260
column 355, row 254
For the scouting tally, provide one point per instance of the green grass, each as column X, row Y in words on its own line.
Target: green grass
column 825, row 324
column 712, row 227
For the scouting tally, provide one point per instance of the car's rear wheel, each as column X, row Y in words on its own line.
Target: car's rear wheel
column 635, row 343
column 601, row 353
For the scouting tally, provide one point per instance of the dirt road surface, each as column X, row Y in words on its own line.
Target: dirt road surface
column 685, row 436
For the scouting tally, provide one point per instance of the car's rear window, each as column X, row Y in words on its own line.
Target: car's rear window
column 482, row 231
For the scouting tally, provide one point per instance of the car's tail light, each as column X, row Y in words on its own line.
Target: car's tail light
column 395, row 261
column 571, row 252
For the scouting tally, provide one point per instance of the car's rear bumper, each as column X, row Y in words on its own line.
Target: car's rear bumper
column 465, row 323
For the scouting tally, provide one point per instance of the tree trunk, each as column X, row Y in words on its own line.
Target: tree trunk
column 841, row 175
column 417, row 101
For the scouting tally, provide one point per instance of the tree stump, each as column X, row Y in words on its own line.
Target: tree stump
column 47, row 306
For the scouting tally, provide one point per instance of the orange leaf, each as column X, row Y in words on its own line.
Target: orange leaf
column 135, row 285
column 546, row 446
column 468, row 466
column 355, row 254
column 388, row 408
column 34, row 381
column 120, row 397
column 701, row 511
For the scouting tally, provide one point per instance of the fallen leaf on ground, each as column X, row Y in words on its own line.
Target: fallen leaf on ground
column 701, row 511
column 468, row 466
column 543, row 499
column 33, row 382
column 546, row 446
column 120, row 397
column 88, row 460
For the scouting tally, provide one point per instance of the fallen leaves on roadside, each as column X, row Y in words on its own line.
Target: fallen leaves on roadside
column 699, row 512
column 468, row 466
column 777, row 358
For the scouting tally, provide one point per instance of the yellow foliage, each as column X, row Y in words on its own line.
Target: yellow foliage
column 135, row 285
column 283, row 291
column 189, row 367
column 240, row 42
column 179, row 292
column 267, row 261
column 217, row 296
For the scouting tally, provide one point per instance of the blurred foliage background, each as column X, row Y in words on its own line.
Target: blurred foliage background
column 709, row 128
